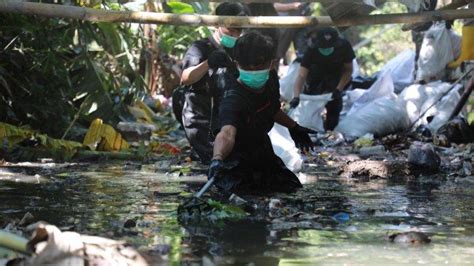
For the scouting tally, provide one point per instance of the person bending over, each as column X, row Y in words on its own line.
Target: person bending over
column 243, row 158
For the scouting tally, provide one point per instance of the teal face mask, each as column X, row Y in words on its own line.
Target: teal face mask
column 228, row 41
column 326, row 51
column 254, row 79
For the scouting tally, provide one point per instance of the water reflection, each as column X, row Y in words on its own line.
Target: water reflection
column 98, row 199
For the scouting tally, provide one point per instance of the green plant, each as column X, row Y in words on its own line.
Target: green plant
column 385, row 44
column 52, row 70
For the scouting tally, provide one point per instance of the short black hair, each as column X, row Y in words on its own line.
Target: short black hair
column 254, row 48
column 231, row 9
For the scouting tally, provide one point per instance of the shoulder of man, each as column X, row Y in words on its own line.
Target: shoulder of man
column 346, row 45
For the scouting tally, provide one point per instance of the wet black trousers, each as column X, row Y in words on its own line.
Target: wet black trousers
column 257, row 171
column 196, row 119
column 333, row 112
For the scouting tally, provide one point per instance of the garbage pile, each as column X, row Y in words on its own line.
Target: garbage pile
column 49, row 245
column 144, row 135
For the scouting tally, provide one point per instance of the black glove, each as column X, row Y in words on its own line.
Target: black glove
column 294, row 102
column 215, row 168
column 218, row 59
column 300, row 136
column 336, row 94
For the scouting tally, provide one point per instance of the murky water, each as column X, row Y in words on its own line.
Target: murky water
column 98, row 199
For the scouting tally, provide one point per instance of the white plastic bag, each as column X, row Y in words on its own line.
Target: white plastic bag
column 441, row 111
column 413, row 5
column 349, row 98
column 308, row 112
column 456, row 43
column 287, row 83
column 285, row 148
column 383, row 87
column 413, row 98
column 380, row 117
column 436, row 52
column 401, row 68
column 355, row 68
column 416, row 100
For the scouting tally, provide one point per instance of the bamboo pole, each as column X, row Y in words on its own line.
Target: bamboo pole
column 455, row 4
column 90, row 14
column 13, row 242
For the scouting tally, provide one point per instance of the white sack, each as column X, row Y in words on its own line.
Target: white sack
column 401, row 68
column 287, row 83
column 456, row 43
column 349, row 98
column 355, row 68
column 383, row 87
column 285, row 148
column 379, row 117
column 441, row 111
column 436, row 52
column 308, row 112
column 413, row 5
column 413, row 97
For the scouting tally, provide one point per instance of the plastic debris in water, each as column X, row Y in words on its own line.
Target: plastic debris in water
column 341, row 217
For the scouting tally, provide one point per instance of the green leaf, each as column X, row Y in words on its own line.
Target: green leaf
column 224, row 211
column 180, row 8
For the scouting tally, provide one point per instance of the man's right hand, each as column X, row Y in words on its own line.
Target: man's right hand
column 215, row 168
column 294, row 102
column 218, row 59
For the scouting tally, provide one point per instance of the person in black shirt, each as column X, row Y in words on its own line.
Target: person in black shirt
column 326, row 67
column 243, row 157
column 200, row 64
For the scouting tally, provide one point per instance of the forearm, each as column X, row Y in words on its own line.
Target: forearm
column 223, row 144
column 193, row 74
column 284, row 120
column 345, row 78
column 281, row 7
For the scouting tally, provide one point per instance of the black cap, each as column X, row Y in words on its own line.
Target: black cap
column 328, row 37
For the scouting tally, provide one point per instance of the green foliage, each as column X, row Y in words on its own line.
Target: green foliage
column 386, row 42
column 51, row 69
column 223, row 211
column 176, row 40
column 470, row 108
column 180, row 8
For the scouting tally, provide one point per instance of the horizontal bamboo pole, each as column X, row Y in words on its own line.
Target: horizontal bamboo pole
column 286, row 1
column 13, row 242
column 90, row 14
column 279, row 1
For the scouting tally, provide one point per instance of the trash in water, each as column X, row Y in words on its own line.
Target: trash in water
column 341, row 217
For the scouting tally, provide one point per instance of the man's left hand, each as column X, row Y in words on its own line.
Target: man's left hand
column 301, row 138
column 336, row 94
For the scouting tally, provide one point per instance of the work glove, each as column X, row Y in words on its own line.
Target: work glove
column 336, row 94
column 218, row 59
column 215, row 168
column 301, row 138
column 294, row 102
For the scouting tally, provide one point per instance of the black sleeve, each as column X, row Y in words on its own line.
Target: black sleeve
column 232, row 107
column 307, row 58
column 196, row 54
column 348, row 53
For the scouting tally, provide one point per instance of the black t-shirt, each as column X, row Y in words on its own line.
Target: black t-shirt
column 326, row 68
column 196, row 54
column 251, row 112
